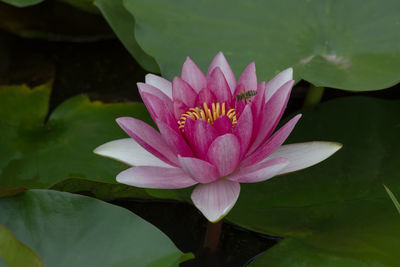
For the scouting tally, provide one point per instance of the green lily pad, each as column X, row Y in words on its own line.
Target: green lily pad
column 16, row 253
column 353, row 45
column 36, row 152
column 337, row 211
column 123, row 24
column 72, row 230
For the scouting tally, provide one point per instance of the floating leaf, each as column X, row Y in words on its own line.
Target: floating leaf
column 16, row 253
column 337, row 211
column 352, row 45
column 36, row 153
column 72, row 230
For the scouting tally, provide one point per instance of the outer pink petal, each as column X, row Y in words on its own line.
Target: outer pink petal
column 200, row 134
column 164, row 85
column 148, row 138
column 216, row 199
column 174, row 140
column 279, row 80
column 249, row 77
column 244, row 129
column 304, row 155
column 205, row 95
column 272, row 144
column 199, row 170
column 182, row 91
column 260, row 172
column 159, row 110
column 218, row 84
column 221, row 62
column 271, row 114
column 224, row 153
column 193, row 75
column 130, row 152
column 155, row 91
column 155, row 177
column 223, row 125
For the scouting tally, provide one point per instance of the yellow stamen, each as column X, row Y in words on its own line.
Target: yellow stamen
column 209, row 115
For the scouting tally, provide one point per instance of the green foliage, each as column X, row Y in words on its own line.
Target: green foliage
column 38, row 153
column 15, row 253
column 337, row 211
column 351, row 45
column 71, row 230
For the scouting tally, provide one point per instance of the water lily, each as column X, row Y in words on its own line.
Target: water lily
column 215, row 132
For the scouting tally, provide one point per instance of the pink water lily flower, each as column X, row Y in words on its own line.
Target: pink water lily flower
column 215, row 132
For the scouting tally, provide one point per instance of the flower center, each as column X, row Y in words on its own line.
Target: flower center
column 209, row 115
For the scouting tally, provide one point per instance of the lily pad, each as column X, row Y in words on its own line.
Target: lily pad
column 72, row 230
column 336, row 212
column 123, row 24
column 14, row 252
column 352, row 45
column 37, row 152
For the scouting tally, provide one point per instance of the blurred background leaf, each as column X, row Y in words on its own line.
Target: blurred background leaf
column 352, row 45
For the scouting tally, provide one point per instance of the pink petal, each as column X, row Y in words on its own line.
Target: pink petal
column 216, row 199
column 224, row 153
column 164, row 85
column 200, row 134
column 271, row 114
column 239, row 104
column 279, row 80
column 155, row 177
column 303, row 155
column 130, row 152
column 193, row 75
column 199, row 170
column 205, row 96
column 259, row 172
column 243, row 129
column 158, row 110
column 221, row 62
column 223, row 125
column 249, row 77
column 258, row 100
column 174, row 140
column 143, row 87
column 179, row 108
column 272, row 144
column 182, row 91
column 148, row 138
column 218, row 84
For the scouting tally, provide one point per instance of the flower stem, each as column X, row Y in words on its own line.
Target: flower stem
column 314, row 96
column 212, row 237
